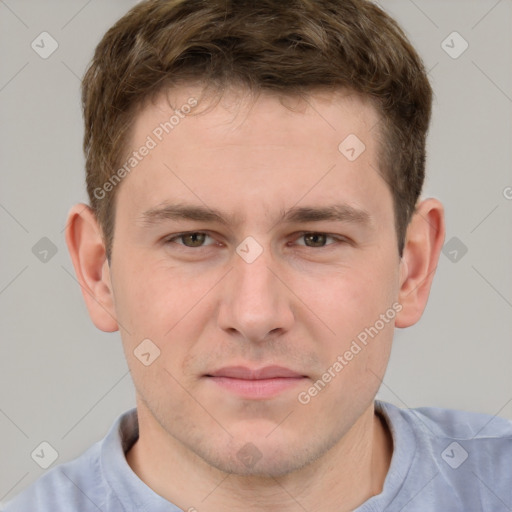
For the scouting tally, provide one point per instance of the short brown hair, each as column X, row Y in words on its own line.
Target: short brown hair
column 288, row 47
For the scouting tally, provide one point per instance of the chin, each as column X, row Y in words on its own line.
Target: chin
column 260, row 464
column 259, row 457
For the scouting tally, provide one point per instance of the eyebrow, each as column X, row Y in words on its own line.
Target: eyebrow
column 304, row 214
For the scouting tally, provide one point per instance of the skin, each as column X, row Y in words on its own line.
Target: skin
column 299, row 304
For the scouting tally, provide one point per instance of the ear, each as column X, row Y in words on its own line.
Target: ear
column 87, row 250
column 424, row 241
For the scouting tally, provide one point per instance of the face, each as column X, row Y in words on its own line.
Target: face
column 260, row 259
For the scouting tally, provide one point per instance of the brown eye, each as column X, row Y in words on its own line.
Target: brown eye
column 318, row 240
column 192, row 239
column 315, row 239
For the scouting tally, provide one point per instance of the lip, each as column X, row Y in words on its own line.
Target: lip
column 257, row 384
column 267, row 372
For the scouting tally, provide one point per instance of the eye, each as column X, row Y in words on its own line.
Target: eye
column 198, row 239
column 191, row 239
column 318, row 239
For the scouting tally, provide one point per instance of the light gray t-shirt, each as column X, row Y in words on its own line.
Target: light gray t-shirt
column 443, row 461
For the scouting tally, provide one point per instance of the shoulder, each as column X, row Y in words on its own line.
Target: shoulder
column 462, row 425
column 467, row 454
column 82, row 484
column 72, row 484
column 482, row 435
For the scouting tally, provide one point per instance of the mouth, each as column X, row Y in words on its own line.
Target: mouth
column 262, row 383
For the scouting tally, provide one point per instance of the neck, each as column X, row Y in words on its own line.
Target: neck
column 346, row 476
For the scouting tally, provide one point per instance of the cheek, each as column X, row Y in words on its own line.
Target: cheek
column 170, row 307
column 153, row 297
column 351, row 303
column 351, row 299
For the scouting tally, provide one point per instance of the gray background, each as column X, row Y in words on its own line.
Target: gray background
column 64, row 382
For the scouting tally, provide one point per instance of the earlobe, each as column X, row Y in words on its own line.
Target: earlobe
column 424, row 241
column 87, row 251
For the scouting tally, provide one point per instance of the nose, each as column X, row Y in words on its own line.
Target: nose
column 255, row 303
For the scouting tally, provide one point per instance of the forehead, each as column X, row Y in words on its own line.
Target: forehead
column 260, row 151
column 241, row 116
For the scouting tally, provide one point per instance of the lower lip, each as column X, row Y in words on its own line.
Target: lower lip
column 257, row 389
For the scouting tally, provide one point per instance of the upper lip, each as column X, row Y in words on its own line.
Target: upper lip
column 267, row 372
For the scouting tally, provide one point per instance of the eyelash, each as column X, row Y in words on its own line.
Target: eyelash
column 339, row 239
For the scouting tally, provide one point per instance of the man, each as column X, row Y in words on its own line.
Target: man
column 256, row 233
